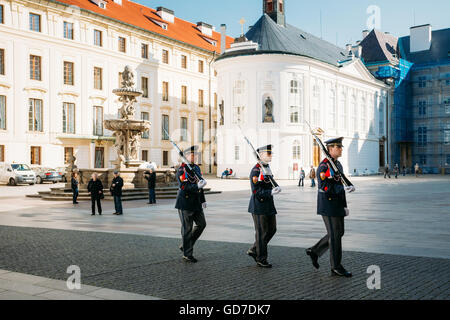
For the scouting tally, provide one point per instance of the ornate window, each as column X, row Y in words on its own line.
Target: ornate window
column 332, row 109
column 35, row 117
column 343, row 110
column 68, row 117
column 296, row 150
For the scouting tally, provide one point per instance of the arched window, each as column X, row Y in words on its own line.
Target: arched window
column 353, row 113
column 281, row 6
column 363, row 113
column 296, row 150
column 316, row 105
column 343, row 110
column 381, row 119
column 332, row 109
column 269, row 6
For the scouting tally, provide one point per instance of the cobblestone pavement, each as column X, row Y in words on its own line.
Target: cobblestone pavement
column 408, row 216
column 152, row 266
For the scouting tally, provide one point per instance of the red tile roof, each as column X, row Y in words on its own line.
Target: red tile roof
column 140, row 16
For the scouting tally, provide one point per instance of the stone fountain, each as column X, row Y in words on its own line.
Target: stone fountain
column 127, row 130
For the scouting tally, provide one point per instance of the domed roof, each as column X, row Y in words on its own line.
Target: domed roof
column 274, row 38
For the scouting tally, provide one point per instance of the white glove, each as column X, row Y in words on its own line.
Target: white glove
column 349, row 189
column 347, row 212
column 204, row 205
column 276, row 190
column 201, row 183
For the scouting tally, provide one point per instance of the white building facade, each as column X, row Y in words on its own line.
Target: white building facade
column 60, row 64
column 342, row 99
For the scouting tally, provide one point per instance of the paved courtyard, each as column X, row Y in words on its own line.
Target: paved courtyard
column 400, row 225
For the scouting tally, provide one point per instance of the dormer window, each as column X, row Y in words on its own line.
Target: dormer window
column 166, row 14
column 100, row 3
column 205, row 28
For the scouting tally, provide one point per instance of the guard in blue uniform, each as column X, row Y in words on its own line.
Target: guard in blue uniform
column 262, row 208
column 190, row 204
column 332, row 206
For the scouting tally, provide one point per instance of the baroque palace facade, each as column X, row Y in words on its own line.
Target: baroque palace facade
column 275, row 77
column 61, row 60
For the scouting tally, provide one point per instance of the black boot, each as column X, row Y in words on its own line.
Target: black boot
column 314, row 257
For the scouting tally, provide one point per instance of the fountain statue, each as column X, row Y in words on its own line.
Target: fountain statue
column 127, row 130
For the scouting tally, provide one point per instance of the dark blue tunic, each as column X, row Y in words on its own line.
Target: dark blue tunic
column 189, row 197
column 261, row 201
column 331, row 199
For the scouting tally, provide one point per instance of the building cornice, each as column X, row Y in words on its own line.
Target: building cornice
column 133, row 28
column 305, row 61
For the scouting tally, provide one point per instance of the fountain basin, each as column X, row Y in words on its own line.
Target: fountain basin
column 132, row 125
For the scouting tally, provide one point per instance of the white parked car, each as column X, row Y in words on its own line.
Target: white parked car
column 15, row 173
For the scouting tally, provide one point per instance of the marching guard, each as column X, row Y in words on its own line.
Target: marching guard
column 332, row 206
column 262, row 206
column 190, row 203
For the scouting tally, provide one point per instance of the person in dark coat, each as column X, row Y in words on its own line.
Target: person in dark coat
column 190, row 204
column 312, row 176
column 116, row 190
column 302, row 178
column 95, row 189
column 262, row 208
column 332, row 206
column 74, row 185
column 387, row 171
column 150, row 176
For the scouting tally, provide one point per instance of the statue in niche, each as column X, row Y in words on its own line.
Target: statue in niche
column 127, row 78
column 268, row 110
column 221, row 107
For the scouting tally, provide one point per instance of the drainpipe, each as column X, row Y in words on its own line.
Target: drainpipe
column 210, row 112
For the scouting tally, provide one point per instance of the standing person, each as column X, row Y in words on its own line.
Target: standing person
column 396, row 170
column 190, row 204
column 332, row 206
column 312, row 176
column 416, row 169
column 386, row 171
column 404, row 170
column 262, row 208
column 95, row 189
column 150, row 176
column 74, row 184
column 302, row 177
column 116, row 190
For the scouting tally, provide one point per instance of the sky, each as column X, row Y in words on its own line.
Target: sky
column 342, row 21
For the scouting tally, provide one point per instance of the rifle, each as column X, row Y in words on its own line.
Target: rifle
column 343, row 178
column 183, row 157
column 258, row 158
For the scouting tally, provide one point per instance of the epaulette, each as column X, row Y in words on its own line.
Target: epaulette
column 183, row 165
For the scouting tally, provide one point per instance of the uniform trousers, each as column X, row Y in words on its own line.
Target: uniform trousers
column 189, row 233
column 265, row 229
column 333, row 240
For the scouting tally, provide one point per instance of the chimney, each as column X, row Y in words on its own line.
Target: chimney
column 357, row 50
column 420, row 38
column 166, row 14
column 365, row 33
column 348, row 47
column 205, row 28
column 223, row 38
